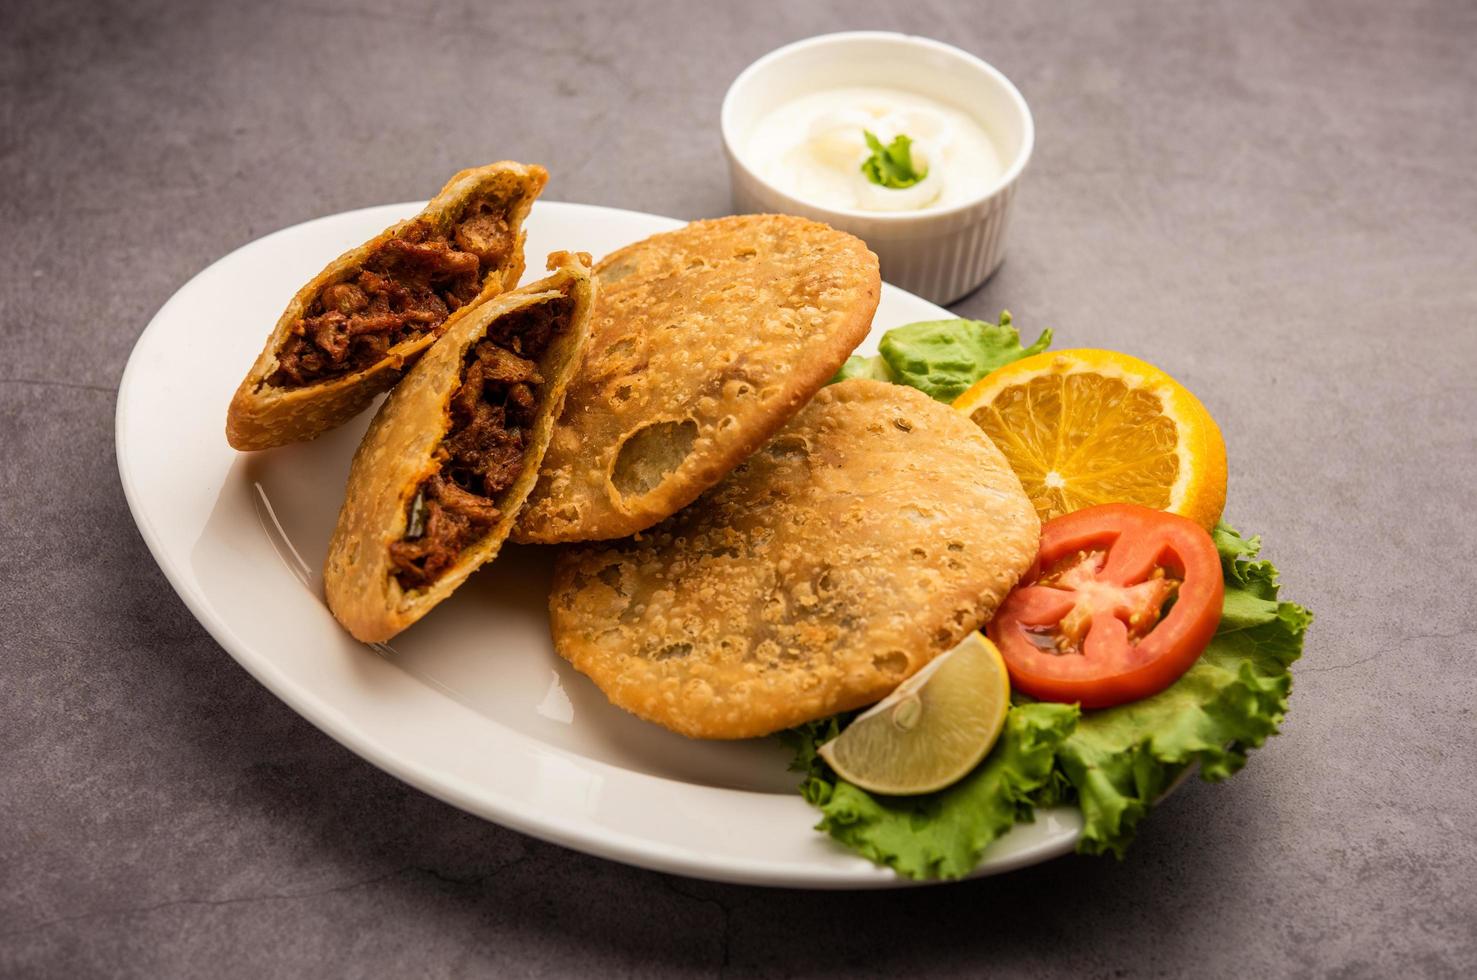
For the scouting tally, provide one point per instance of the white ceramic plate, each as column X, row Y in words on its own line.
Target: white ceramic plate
column 472, row 705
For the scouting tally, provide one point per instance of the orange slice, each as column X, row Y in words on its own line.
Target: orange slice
column 1085, row 427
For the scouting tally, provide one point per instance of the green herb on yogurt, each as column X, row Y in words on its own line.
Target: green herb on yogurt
column 891, row 165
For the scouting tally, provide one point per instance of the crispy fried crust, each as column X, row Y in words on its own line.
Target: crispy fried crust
column 706, row 340
column 872, row 533
column 262, row 415
column 398, row 453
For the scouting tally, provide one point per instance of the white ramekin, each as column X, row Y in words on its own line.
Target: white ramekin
column 937, row 254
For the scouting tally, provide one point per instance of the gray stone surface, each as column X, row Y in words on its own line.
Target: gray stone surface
column 1274, row 201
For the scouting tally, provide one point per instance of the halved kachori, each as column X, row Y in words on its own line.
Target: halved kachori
column 350, row 333
column 452, row 453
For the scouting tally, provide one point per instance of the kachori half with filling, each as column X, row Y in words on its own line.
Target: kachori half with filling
column 350, row 333
column 451, row 455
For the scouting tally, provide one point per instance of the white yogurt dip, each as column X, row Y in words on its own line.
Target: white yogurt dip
column 813, row 147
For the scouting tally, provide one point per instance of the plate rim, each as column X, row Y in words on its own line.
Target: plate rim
column 486, row 802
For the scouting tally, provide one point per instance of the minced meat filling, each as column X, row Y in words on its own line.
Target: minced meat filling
column 408, row 286
column 482, row 452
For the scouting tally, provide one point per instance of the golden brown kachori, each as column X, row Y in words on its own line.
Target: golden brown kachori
column 705, row 341
column 872, row 533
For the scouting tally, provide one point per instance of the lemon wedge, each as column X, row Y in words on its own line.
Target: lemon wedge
column 1085, row 427
column 932, row 730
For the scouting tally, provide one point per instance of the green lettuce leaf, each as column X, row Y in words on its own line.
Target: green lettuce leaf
column 943, row 834
column 805, row 741
column 942, row 358
column 857, row 366
column 1120, row 760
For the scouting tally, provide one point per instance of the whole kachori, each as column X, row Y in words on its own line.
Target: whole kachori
column 705, row 341
column 872, row 533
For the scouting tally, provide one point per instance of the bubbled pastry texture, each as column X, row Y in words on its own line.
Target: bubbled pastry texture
column 873, row 532
column 705, row 340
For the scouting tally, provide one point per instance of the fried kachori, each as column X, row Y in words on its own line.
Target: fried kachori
column 705, row 341
column 452, row 453
column 872, row 533
column 356, row 327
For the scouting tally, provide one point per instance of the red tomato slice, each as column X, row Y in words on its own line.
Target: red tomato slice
column 1086, row 624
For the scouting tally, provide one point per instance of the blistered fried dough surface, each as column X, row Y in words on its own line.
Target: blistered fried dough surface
column 705, row 341
column 872, row 533
column 451, row 455
column 350, row 333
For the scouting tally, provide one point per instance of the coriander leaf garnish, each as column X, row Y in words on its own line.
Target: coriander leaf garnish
column 891, row 165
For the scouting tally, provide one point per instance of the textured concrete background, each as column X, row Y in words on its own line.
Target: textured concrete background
column 1275, row 202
